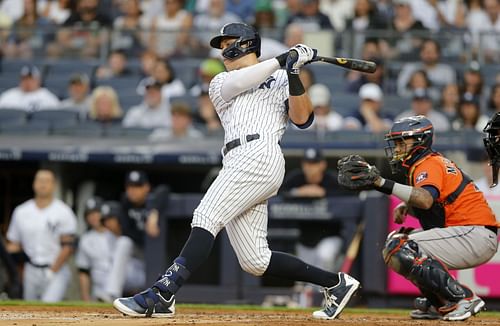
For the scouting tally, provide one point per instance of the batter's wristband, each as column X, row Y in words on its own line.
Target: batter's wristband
column 386, row 187
column 295, row 85
column 282, row 59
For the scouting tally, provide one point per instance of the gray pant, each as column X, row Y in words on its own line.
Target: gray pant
column 458, row 247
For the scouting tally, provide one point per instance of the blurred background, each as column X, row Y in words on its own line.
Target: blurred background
column 96, row 91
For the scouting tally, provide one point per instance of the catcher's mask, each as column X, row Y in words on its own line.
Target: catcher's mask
column 248, row 40
column 492, row 145
column 420, row 129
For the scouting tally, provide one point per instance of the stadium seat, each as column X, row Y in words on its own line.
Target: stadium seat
column 188, row 99
column 84, row 129
column 26, row 129
column 58, row 117
column 122, row 85
column 12, row 116
column 345, row 103
column 396, row 104
column 129, row 100
column 131, row 132
column 186, row 70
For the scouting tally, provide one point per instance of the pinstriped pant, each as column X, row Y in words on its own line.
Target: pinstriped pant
column 237, row 200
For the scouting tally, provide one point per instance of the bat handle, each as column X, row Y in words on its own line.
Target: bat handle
column 293, row 56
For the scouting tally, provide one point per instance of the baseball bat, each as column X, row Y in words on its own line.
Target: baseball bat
column 349, row 63
column 353, row 249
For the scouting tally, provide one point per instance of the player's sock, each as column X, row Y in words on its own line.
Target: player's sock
column 290, row 267
column 197, row 248
column 195, row 252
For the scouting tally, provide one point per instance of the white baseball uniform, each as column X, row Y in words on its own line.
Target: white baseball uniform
column 39, row 233
column 100, row 253
column 253, row 171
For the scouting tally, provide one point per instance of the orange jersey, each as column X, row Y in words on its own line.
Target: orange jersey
column 470, row 207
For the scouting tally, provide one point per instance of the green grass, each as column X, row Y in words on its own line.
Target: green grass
column 381, row 311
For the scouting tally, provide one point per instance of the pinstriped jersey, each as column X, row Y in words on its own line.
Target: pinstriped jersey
column 261, row 109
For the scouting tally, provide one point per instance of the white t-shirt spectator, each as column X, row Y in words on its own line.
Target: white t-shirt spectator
column 42, row 98
column 143, row 116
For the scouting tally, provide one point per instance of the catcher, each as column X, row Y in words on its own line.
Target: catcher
column 459, row 229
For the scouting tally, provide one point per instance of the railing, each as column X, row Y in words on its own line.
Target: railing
column 96, row 43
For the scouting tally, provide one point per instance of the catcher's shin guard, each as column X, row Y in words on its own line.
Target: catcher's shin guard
column 428, row 274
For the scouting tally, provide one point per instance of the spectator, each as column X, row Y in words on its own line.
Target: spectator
column 294, row 34
column 421, row 104
column 440, row 74
column 169, row 30
column 450, row 98
column 206, row 115
column 182, row 125
column 473, row 80
column 469, row 114
column 153, row 112
column 369, row 116
column 79, row 98
column 12, row 8
column 105, row 258
column 44, row 228
column 207, row 70
column 310, row 17
column 147, row 63
column 27, row 31
column 339, row 11
column 55, row 11
column 489, row 25
column 494, row 99
column 404, row 25
column 82, row 33
column 356, row 79
column 244, row 9
column 128, row 28
column 325, row 118
column 165, row 75
column 116, row 66
column 314, row 181
column 29, row 95
column 208, row 23
column 366, row 17
column 104, row 106
column 420, row 80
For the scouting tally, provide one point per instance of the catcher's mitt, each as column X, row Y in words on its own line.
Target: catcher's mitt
column 356, row 174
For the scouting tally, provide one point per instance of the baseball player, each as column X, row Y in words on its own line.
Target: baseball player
column 254, row 101
column 492, row 145
column 102, row 251
column 459, row 230
column 44, row 227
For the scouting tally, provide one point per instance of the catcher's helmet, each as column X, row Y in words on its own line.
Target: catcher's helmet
column 248, row 40
column 417, row 127
column 492, row 144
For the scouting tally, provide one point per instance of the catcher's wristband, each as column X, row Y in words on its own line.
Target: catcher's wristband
column 390, row 187
column 386, row 187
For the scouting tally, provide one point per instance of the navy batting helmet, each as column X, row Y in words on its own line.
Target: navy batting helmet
column 248, row 40
column 417, row 127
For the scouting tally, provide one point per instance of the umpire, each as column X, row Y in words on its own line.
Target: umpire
column 459, row 229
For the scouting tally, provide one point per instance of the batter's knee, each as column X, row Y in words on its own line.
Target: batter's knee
column 204, row 221
column 256, row 264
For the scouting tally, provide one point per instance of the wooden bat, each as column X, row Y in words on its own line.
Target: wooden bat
column 349, row 63
column 353, row 249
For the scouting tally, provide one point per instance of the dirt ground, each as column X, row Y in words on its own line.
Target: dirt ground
column 56, row 315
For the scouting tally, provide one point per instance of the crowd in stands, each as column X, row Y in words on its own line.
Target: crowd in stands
column 147, row 82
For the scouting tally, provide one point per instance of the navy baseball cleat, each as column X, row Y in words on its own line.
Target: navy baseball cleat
column 149, row 303
column 337, row 297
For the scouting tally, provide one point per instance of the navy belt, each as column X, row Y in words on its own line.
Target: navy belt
column 237, row 142
column 38, row 265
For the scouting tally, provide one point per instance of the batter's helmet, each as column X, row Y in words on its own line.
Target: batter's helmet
column 246, row 35
column 417, row 127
